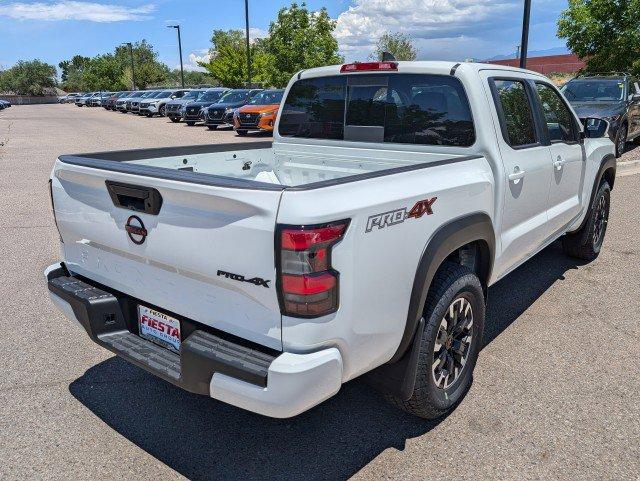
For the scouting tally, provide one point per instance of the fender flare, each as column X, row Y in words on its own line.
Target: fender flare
column 448, row 238
column 607, row 164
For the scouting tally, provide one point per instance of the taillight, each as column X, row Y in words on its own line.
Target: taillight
column 368, row 67
column 308, row 286
column 53, row 209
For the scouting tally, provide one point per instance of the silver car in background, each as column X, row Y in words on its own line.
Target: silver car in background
column 173, row 109
column 157, row 103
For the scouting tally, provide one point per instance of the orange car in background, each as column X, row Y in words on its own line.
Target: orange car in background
column 259, row 114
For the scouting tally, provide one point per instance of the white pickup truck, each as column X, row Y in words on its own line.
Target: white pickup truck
column 361, row 241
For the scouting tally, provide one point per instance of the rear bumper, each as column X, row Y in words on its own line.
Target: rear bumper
column 266, row 382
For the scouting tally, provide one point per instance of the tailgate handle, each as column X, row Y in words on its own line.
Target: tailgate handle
column 135, row 197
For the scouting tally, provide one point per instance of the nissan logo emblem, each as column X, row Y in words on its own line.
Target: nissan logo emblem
column 135, row 229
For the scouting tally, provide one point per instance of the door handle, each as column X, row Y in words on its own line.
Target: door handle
column 517, row 175
column 559, row 163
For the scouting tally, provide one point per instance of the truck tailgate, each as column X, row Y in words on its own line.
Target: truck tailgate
column 208, row 254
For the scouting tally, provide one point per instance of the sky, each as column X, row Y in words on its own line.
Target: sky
column 55, row 30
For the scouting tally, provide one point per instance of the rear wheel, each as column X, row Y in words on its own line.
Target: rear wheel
column 190, row 123
column 212, row 127
column 174, row 119
column 454, row 320
column 587, row 242
column 241, row 133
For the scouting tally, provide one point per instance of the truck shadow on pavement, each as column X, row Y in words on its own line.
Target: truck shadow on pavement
column 205, row 439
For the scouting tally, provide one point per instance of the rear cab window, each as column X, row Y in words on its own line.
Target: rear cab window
column 421, row 109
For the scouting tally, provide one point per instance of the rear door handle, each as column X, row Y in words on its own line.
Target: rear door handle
column 517, row 175
column 559, row 163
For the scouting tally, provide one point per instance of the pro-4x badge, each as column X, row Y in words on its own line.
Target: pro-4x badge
column 397, row 216
column 258, row 281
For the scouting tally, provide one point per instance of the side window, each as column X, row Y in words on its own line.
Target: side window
column 517, row 116
column 557, row 116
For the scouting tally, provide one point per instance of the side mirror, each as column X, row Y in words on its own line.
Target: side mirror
column 594, row 128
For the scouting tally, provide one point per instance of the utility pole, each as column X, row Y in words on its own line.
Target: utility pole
column 246, row 20
column 525, row 33
column 133, row 73
column 177, row 27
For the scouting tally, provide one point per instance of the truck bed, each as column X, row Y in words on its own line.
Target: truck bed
column 257, row 165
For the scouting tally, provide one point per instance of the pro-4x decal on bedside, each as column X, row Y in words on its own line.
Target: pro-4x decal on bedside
column 258, row 281
column 397, row 216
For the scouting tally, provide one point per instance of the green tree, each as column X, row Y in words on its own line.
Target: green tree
column 228, row 59
column 71, row 73
column 28, row 78
column 103, row 72
column 148, row 70
column 606, row 33
column 397, row 44
column 299, row 39
column 191, row 78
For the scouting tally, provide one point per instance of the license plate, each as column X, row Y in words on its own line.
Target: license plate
column 159, row 328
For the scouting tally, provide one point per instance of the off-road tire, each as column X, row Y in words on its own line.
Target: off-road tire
column 586, row 243
column 451, row 282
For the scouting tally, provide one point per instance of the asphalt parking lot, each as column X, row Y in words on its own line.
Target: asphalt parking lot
column 556, row 393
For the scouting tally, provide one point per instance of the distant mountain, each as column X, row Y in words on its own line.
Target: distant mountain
column 534, row 53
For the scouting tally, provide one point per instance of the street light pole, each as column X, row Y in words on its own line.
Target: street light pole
column 246, row 20
column 133, row 73
column 525, row 33
column 177, row 27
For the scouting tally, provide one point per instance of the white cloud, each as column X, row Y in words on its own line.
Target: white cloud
column 72, row 10
column 443, row 29
column 194, row 57
column 255, row 33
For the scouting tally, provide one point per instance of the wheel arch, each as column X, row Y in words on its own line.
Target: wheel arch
column 397, row 376
column 474, row 229
column 606, row 171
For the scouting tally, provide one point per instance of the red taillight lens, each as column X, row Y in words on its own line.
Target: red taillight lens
column 301, row 239
column 368, row 67
column 308, row 284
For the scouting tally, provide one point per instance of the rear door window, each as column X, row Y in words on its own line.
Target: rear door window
column 516, row 115
column 396, row 108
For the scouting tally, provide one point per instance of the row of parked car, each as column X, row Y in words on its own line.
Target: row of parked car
column 4, row 104
column 243, row 109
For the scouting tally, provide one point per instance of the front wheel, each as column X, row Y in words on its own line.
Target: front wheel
column 621, row 140
column 241, row 133
column 190, row 123
column 174, row 119
column 454, row 320
column 212, row 127
column 587, row 242
column 161, row 111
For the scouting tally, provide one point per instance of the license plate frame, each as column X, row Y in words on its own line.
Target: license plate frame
column 159, row 328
